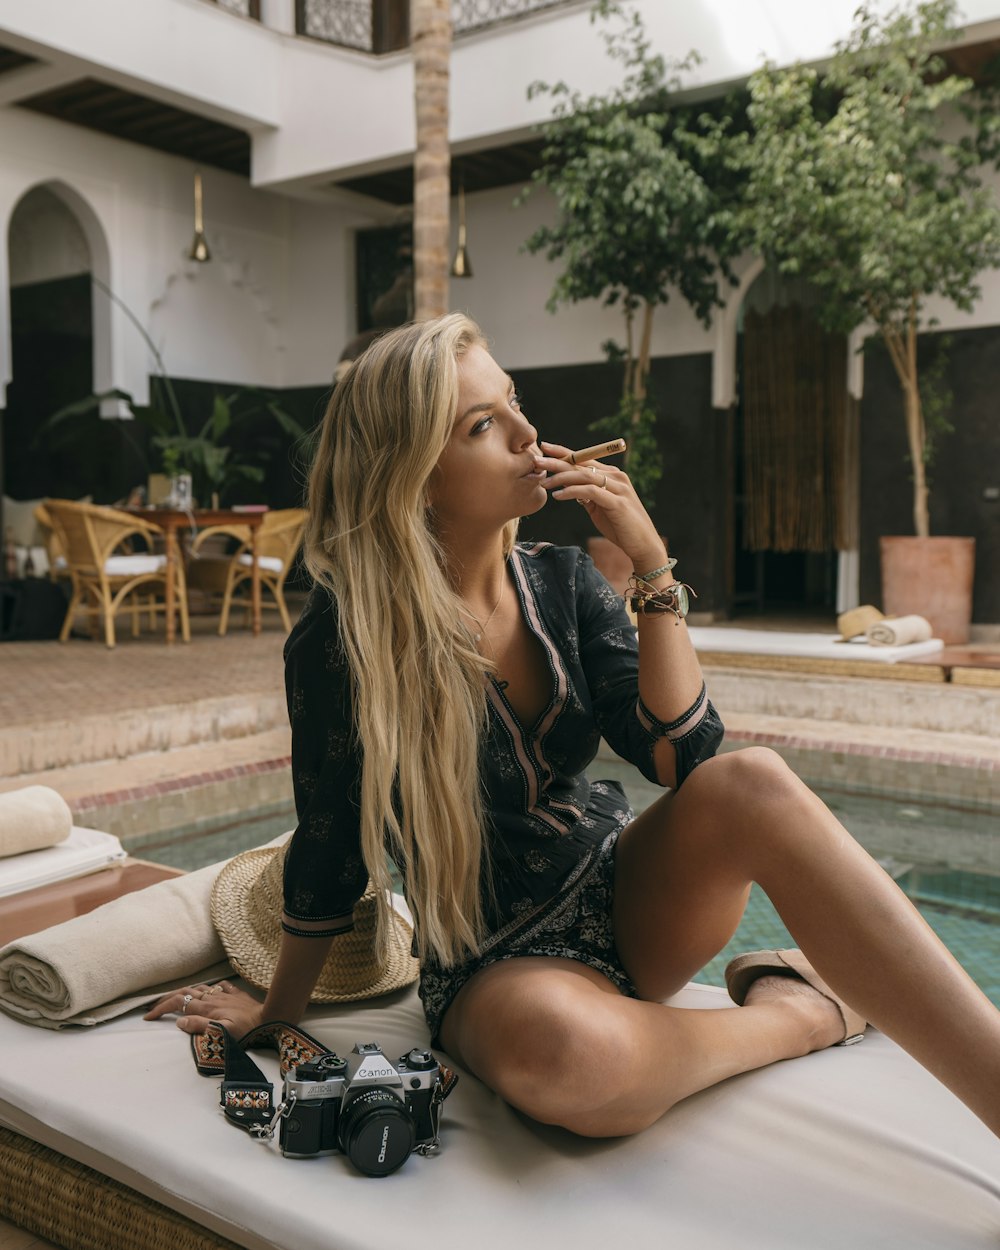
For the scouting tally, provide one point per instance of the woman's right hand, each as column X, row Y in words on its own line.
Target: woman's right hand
column 198, row 1006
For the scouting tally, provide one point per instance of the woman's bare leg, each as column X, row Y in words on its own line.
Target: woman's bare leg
column 682, row 875
column 556, row 1040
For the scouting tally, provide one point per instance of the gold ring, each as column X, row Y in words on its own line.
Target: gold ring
column 604, row 484
column 187, row 998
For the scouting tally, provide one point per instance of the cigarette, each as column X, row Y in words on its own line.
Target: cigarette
column 598, row 452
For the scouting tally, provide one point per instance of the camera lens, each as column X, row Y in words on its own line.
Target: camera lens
column 376, row 1132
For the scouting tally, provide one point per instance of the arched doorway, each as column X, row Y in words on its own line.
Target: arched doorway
column 795, row 451
column 60, row 352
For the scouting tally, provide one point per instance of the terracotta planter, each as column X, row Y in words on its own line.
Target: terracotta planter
column 931, row 577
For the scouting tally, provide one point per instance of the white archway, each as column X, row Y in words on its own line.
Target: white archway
column 727, row 322
column 724, row 369
column 102, row 319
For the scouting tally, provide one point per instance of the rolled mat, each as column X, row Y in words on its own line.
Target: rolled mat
column 31, row 819
column 897, row 631
column 117, row 957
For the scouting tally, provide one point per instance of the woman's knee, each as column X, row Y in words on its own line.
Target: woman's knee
column 741, row 783
column 550, row 1053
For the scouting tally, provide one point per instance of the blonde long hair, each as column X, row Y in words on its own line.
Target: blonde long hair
column 418, row 684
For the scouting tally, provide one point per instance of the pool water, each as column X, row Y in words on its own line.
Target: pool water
column 962, row 907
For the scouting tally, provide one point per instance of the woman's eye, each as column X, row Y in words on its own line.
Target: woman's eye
column 482, row 425
column 515, row 401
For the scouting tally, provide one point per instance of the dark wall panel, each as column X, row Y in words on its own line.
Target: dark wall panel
column 692, row 502
column 965, row 470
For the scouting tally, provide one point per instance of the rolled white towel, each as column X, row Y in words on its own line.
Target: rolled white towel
column 91, row 968
column 31, row 819
column 897, row 631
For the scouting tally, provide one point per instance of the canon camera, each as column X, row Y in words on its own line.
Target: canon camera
column 375, row 1112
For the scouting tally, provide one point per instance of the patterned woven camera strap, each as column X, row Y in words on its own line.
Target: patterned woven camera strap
column 246, row 1095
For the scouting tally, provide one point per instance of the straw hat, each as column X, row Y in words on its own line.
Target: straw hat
column 247, row 901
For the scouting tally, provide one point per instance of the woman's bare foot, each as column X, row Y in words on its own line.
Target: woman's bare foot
column 822, row 1022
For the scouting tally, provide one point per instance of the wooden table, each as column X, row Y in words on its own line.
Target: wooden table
column 172, row 520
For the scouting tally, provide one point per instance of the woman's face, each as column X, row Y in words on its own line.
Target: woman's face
column 488, row 473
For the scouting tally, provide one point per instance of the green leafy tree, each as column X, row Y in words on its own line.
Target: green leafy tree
column 646, row 198
column 866, row 183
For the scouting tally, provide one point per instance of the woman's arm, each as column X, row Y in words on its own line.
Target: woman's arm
column 300, row 961
column 670, row 678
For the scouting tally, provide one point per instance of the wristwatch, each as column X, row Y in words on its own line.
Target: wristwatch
column 673, row 598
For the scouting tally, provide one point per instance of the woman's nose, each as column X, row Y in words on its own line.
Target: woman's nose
column 524, row 432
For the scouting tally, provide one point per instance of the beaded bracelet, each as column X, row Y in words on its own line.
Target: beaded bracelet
column 664, row 568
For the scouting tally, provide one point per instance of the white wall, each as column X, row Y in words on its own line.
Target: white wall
column 273, row 307
column 509, row 289
column 316, row 112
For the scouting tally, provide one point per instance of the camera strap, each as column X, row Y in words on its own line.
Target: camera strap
column 246, row 1095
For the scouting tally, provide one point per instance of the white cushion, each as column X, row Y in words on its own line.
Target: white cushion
column 271, row 563
column 854, row 1146
column 39, row 559
column 133, row 566
column 19, row 518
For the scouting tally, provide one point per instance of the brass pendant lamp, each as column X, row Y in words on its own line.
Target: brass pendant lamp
column 461, row 266
column 199, row 247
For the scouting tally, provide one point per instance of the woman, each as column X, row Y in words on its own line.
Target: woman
column 447, row 689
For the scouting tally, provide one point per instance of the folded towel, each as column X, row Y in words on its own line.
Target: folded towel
column 93, row 967
column 84, row 851
column 897, row 631
column 32, row 818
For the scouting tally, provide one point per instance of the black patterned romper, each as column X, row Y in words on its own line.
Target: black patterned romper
column 552, row 832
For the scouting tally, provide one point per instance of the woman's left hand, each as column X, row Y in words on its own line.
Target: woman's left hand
column 197, row 1006
column 610, row 498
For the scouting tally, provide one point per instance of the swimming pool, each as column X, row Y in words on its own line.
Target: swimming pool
column 946, row 859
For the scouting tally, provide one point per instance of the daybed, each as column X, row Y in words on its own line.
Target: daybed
column 850, row 1147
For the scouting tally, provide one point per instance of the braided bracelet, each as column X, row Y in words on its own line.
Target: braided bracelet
column 664, row 568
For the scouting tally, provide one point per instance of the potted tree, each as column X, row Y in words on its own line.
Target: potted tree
column 644, row 210
column 854, row 184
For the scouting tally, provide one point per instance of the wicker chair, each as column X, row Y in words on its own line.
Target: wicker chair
column 278, row 540
column 53, row 546
column 106, row 580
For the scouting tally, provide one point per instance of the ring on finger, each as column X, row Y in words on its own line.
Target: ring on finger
column 186, row 1000
column 604, row 484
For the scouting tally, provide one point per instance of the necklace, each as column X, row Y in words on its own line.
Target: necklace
column 483, row 626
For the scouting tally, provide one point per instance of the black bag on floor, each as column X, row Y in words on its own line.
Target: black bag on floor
column 32, row 609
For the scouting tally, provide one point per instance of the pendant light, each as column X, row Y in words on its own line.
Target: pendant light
column 199, row 247
column 460, row 266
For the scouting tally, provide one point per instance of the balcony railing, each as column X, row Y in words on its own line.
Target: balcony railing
column 383, row 25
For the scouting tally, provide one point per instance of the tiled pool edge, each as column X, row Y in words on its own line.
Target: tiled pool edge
column 173, row 802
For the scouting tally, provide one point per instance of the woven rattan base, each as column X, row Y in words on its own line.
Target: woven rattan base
column 79, row 1209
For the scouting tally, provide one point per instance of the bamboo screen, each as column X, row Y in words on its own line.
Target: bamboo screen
column 799, row 434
